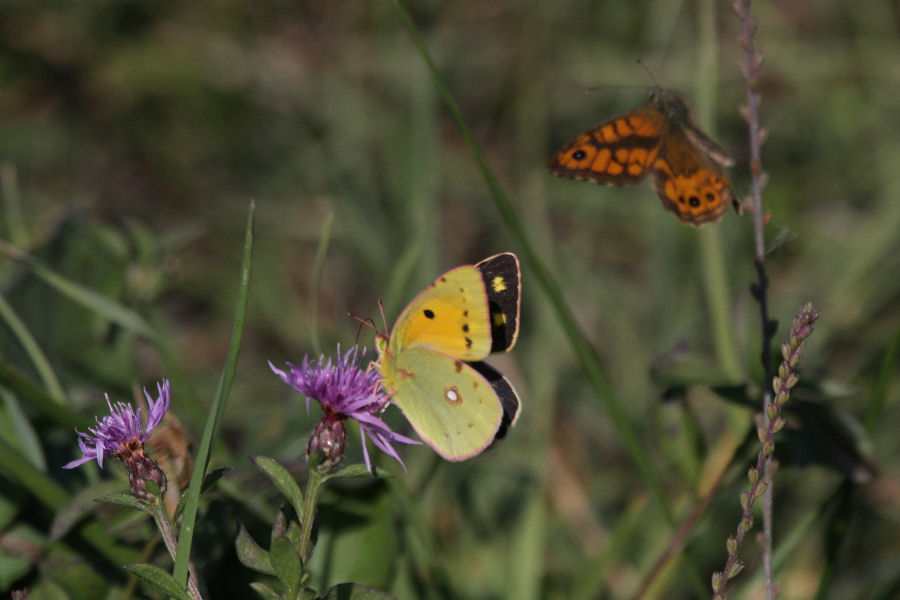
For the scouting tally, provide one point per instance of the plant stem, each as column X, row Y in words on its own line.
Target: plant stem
column 310, row 501
column 168, row 537
column 768, row 424
column 750, row 68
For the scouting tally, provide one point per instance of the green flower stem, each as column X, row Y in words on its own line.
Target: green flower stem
column 158, row 511
column 310, row 501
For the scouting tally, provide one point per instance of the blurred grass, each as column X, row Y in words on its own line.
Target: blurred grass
column 136, row 134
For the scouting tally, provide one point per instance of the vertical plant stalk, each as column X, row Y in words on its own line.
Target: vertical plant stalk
column 750, row 69
column 157, row 509
column 314, row 488
column 768, row 424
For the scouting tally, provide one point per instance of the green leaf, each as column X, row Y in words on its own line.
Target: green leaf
column 86, row 297
column 83, row 503
column 293, row 533
column 16, row 426
column 15, row 565
column 307, row 594
column 265, row 591
column 251, row 554
column 159, row 579
column 126, row 499
column 357, row 470
column 32, row 394
column 52, row 495
column 279, row 525
column 353, row 591
column 73, row 573
column 282, row 479
column 286, row 562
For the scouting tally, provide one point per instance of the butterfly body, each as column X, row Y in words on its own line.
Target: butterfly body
column 431, row 363
column 660, row 138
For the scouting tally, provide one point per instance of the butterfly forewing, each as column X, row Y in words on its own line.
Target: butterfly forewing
column 503, row 285
column 620, row 151
column 449, row 316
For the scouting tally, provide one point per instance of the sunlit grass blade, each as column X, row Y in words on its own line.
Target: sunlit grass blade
column 189, row 517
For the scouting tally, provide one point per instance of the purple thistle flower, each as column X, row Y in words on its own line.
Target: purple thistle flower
column 344, row 391
column 121, row 435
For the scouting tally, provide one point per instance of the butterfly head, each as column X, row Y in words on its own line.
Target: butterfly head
column 672, row 104
column 381, row 342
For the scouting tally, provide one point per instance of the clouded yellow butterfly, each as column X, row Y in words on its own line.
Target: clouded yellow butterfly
column 431, row 363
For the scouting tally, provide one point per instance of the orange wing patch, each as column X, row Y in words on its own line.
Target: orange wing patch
column 687, row 166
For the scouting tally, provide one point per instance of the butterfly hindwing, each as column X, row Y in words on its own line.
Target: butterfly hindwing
column 509, row 399
column 451, row 406
column 503, row 285
column 691, row 185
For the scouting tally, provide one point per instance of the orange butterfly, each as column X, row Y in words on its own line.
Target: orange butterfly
column 688, row 167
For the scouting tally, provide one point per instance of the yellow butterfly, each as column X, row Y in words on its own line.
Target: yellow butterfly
column 431, row 363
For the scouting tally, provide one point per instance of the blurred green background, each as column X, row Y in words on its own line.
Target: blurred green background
column 134, row 135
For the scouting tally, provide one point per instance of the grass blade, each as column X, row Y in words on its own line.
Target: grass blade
column 217, row 409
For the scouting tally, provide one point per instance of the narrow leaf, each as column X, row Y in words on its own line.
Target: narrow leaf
column 81, row 504
column 189, row 518
column 265, row 591
column 160, row 580
column 286, row 562
column 282, row 479
column 357, row 470
column 82, row 295
column 251, row 554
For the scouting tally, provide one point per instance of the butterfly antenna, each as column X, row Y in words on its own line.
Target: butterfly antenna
column 362, row 322
column 649, row 73
column 383, row 319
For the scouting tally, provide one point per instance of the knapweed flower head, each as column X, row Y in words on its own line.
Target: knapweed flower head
column 121, row 434
column 344, row 391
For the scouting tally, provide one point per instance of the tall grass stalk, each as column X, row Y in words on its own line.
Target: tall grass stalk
column 204, row 451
